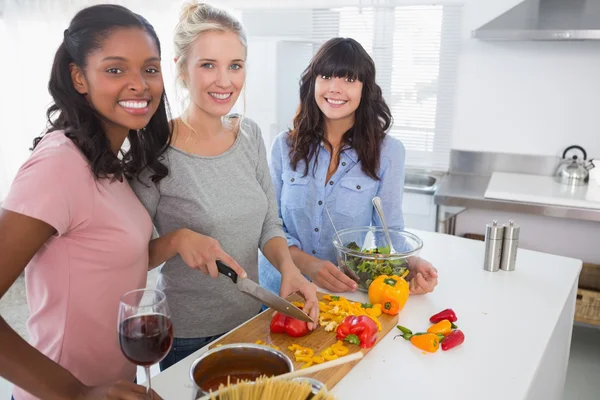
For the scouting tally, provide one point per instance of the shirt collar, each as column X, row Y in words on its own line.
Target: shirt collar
column 349, row 152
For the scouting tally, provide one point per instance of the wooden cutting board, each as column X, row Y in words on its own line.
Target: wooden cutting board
column 318, row 340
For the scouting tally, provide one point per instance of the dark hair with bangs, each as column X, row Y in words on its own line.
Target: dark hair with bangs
column 73, row 114
column 341, row 58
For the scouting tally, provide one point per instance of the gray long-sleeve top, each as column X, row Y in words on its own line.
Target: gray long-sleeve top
column 228, row 197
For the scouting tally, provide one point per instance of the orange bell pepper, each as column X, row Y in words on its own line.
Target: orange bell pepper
column 389, row 291
column 428, row 341
column 443, row 328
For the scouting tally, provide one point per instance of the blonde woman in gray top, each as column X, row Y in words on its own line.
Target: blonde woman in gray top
column 217, row 203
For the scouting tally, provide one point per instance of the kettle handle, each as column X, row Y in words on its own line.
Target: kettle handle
column 575, row 147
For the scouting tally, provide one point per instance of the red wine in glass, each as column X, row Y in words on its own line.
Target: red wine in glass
column 145, row 329
column 146, row 339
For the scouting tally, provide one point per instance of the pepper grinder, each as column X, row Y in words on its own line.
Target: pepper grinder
column 493, row 246
column 510, row 246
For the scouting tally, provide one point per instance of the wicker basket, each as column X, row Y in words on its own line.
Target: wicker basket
column 587, row 308
column 474, row 236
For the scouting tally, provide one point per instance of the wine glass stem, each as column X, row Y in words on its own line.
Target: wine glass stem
column 149, row 392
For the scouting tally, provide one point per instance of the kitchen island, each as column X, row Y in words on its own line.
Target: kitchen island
column 517, row 329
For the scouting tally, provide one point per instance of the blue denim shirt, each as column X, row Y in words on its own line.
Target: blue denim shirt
column 348, row 195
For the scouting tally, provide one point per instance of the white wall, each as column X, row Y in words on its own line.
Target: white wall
column 525, row 97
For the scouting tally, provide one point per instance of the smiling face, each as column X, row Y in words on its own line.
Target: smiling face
column 215, row 72
column 337, row 98
column 122, row 79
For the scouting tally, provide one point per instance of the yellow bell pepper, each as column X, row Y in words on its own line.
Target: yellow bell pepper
column 294, row 347
column 389, row 291
column 308, row 364
column 298, row 304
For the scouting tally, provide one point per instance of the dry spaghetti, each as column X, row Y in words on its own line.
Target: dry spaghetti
column 268, row 389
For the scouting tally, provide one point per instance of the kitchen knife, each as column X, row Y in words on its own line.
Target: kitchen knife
column 253, row 289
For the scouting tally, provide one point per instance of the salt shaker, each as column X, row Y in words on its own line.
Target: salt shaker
column 493, row 246
column 510, row 246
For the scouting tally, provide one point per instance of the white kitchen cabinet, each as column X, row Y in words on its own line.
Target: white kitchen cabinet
column 419, row 211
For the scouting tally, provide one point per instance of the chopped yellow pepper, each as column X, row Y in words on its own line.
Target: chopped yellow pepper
column 294, row 347
column 298, row 304
column 304, row 359
column 318, row 359
column 328, row 354
column 340, row 351
column 324, row 307
column 304, row 352
column 308, row 364
column 374, row 311
column 265, row 344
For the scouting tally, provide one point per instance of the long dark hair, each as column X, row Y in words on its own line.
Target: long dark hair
column 341, row 58
column 73, row 114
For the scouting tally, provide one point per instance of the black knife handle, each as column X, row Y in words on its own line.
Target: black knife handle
column 227, row 271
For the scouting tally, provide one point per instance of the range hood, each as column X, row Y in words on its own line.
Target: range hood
column 545, row 20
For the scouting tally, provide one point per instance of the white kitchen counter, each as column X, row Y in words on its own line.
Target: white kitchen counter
column 517, row 329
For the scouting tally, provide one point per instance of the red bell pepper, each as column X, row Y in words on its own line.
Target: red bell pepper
column 358, row 328
column 291, row 326
column 452, row 340
column 442, row 315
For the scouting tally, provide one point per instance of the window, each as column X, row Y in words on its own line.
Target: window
column 415, row 49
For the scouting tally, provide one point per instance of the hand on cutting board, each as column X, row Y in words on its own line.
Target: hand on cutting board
column 423, row 277
column 293, row 281
column 200, row 252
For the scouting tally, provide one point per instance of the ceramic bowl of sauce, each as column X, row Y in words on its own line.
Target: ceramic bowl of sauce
column 236, row 362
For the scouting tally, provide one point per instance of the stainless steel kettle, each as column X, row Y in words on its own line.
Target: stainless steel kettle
column 574, row 171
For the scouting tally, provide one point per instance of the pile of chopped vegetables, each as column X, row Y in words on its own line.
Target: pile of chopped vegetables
column 333, row 313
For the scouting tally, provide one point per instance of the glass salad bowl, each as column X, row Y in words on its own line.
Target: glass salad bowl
column 363, row 253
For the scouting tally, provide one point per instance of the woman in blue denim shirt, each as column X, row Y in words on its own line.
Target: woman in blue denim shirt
column 338, row 156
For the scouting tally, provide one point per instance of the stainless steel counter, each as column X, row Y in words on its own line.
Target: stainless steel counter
column 462, row 191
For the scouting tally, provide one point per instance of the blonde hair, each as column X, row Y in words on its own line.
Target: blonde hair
column 196, row 18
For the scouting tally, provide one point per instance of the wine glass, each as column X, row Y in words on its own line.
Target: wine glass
column 145, row 329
